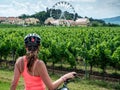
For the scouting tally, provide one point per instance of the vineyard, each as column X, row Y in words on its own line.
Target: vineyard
column 94, row 46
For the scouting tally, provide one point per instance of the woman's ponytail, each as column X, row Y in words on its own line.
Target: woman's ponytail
column 31, row 57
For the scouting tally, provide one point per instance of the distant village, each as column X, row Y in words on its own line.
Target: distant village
column 18, row 21
column 48, row 21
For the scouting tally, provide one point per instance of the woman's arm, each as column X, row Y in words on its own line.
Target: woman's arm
column 16, row 74
column 47, row 80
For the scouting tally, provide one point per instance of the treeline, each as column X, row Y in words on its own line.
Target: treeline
column 43, row 15
column 96, row 46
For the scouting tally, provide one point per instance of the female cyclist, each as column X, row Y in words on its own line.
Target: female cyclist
column 33, row 70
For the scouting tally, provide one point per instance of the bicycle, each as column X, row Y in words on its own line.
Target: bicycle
column 64, row 87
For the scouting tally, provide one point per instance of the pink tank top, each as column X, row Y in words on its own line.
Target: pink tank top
column 32, row 82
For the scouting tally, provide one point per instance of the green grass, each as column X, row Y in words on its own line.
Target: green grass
column 4, row 85
column 78, row 84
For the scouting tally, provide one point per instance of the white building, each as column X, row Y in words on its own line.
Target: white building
column 78, row 22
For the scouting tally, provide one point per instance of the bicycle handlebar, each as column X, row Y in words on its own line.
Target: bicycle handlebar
column 64, row 87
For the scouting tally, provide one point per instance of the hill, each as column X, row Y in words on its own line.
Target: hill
column 112, row 20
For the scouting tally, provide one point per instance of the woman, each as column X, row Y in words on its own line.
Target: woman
column 33, row 70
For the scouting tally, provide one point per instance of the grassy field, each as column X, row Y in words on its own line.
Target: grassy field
column 78, row 84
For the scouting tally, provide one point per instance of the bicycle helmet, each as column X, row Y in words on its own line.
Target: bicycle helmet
column 32, row 41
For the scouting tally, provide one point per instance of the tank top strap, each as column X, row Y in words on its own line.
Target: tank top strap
column 25, row 62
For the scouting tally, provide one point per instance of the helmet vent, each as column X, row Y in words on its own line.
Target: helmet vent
column 32, row 39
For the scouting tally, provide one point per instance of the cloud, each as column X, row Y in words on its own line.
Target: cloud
column 16, row 8
column 80, row 0
column 90, row 8
column 11, row 12
column 4, row 6
column 99, row 9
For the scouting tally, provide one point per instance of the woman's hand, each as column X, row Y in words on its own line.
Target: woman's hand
column 68, row 76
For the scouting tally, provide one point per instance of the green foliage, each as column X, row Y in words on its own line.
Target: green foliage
column 42, row 16
column 23, row 16
column 99, row 46
column 116, row 58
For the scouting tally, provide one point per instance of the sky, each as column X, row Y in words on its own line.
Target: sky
column 97, row 9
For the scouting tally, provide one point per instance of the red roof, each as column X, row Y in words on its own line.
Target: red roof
column 2, row 18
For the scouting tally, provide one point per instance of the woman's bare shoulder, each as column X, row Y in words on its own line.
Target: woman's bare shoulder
column 40, row 62
column 20, row 64
column 19, row 60
column 41, row 67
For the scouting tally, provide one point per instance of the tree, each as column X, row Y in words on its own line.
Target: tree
column 42, row 16
column 23, row 16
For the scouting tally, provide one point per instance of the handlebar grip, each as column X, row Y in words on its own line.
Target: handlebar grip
column 75, row 74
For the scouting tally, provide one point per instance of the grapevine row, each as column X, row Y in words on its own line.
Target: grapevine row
column 96, row 46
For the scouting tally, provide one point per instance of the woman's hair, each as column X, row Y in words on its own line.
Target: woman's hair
column 32, row 43
column 31, row 57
